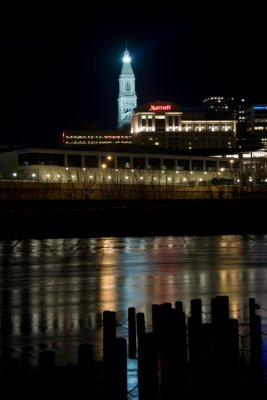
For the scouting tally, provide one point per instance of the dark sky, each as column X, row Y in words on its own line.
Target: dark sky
column 60, row 66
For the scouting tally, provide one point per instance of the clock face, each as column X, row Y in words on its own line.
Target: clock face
column 125, row 113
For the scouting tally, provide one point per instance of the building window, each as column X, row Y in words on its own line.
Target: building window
column 74, row 160
column 154, row 163
column 57, row 159
column 168, row 163
column 139, row 163
column 41, row 159
column 160, row 123
column 197, row 165
column 123, row 162
column 91, row 161
column 183, row 165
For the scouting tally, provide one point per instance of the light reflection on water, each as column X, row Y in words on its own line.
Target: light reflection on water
column 53, row 292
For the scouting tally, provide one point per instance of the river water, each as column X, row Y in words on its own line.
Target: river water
column 53, row 291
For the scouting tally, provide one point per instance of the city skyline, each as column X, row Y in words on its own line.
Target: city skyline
column 61, row 70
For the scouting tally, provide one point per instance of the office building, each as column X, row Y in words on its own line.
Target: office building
column 235, row 107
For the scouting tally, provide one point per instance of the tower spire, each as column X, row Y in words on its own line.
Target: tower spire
column 127, row 97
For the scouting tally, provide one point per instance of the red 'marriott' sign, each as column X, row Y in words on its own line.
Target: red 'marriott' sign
column 163, row 107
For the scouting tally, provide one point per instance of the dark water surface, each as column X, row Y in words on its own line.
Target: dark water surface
column 53, row 291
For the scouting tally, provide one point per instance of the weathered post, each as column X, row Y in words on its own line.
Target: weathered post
column 195, row 345
column 109, row 338
column 256, row 363
column 131, row 332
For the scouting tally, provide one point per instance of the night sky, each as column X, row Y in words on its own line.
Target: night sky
column 60, row 66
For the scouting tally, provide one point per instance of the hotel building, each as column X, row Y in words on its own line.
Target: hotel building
column 167, row 125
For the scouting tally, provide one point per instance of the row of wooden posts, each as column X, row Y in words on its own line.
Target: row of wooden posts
column 180, row 356
column 177, row 356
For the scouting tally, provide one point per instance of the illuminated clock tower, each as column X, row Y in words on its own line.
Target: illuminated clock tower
column 127, row 100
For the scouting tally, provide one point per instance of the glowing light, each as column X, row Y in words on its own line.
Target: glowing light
column 166, row 107
column 260, row 107
column 126, row 57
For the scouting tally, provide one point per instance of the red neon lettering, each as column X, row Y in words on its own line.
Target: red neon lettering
column 153, row 107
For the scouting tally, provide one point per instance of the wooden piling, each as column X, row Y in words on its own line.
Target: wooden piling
column 109, row 338
column 256, row 362
column 148, row 386
column 120, row 369
column 131, row 332
column 195, row 345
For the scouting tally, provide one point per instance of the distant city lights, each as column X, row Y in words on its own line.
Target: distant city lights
column 260, row 107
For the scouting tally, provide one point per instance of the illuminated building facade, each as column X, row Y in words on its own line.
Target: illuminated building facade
column 235, row 107
column 83, row 138
column 257, row 123
column 119, row 165
column 257, row 119
column 166, row 125
column 126, row 164
column 127, row 100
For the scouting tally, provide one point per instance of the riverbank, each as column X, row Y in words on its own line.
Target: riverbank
column 94, row 218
